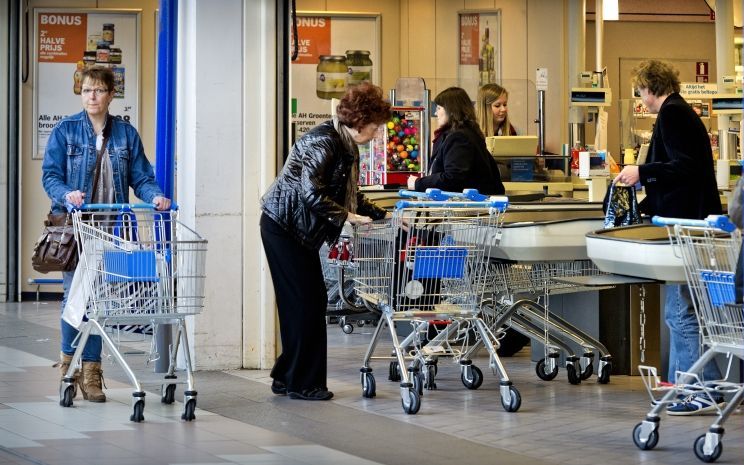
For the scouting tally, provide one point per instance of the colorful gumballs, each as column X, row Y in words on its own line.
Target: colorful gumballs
column 413, row 140
column 409, row 148
column 400, row 148
column 414, row 154
column 396, row 120
column 403, row 154
column 401, row 134
column 390, row 125
column 410, row 124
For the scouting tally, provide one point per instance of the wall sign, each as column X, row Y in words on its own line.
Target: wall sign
column 335, row 51
column 480, row 49
column 66, row 42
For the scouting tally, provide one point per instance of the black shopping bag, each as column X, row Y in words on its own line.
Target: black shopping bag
column 621, row 206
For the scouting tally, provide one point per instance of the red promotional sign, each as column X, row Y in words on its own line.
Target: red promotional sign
column 62, row 37
column 469, row 42
column 315, row 39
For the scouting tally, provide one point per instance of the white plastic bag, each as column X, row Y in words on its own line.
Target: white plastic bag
column 77, row 298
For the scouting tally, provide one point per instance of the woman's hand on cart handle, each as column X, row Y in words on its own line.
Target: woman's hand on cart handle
column 75, row 199
column 353, row 218
column 161, row 203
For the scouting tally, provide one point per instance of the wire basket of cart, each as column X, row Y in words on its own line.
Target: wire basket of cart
column 521, row 299
column 428, row 265
column 338, row 272
column 709, row 250
column 138, row 266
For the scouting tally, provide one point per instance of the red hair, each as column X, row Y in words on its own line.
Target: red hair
column 363, row 105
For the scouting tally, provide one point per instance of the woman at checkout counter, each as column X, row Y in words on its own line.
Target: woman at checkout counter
column 460, row 159
column 492, row 112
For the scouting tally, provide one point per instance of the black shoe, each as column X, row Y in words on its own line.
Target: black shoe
column 312, row 394
column 278, row 388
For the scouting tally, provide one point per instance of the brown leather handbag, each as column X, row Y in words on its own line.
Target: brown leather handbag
column 56, row 249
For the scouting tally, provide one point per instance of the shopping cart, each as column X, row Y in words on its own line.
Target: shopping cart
column 139, row 266
column 709, row 250
column 429, row 264
column 338, row 274
column 521, row 299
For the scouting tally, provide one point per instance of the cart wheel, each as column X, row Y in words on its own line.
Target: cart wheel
column 347, row 328
column 188, row 410
column 414, row 402
column 360, row 323
column 573, row 376
column 138, row 413
column 698, row 447
column 169, row 395
column 417, row 379
column 67, row 396
column 588, row 371
column 369, row 386
column 394, row 374
column 604, row 374
column 515, row 400
column 650, row 443
column 540, row 370
column 431, row 373
column 475, row 380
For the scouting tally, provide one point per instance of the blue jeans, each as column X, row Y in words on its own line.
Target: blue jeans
column 684, row 333
column 92, row 349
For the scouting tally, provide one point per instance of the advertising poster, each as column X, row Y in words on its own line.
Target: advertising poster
column 480, row 49
column 334, row 52
column 68, row 41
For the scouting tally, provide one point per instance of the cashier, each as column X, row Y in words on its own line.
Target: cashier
column 460, row 159
column 492, row 111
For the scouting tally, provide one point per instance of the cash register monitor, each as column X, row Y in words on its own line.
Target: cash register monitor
column 512, row 146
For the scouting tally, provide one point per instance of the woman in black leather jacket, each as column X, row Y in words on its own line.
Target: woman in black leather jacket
column 308, row 203
column 460, row 159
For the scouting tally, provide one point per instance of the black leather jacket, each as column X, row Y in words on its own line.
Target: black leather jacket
column 307, row 199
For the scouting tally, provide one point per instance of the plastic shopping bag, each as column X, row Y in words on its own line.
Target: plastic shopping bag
column 77, row 299
column 621, row 206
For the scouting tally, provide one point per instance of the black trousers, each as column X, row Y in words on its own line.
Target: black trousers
column 302, row 302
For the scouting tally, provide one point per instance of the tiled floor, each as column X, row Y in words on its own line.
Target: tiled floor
column 240, row 422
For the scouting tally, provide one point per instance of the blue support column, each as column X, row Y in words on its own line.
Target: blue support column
column 165, row 126
column 165, row 136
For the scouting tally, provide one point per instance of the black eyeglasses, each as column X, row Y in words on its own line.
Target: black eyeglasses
column 97, row 92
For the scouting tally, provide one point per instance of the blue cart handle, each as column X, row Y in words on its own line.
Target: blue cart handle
column 116, row 206
column 721, row 222
column 433, row 193
column 499, row 203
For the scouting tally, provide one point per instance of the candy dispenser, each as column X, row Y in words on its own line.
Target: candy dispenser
column 399, row 150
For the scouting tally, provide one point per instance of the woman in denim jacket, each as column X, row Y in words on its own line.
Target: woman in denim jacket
column 68, row 173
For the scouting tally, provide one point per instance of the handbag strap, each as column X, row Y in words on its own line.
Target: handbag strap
column 99, row 157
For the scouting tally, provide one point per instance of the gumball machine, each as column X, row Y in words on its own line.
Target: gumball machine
column 401, row 147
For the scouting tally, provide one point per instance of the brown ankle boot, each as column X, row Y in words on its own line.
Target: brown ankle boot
column 64, row 365
column 91, row 385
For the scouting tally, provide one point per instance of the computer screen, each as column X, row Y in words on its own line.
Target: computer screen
column 512, row 146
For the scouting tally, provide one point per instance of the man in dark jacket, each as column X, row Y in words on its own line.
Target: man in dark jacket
column 680, row 182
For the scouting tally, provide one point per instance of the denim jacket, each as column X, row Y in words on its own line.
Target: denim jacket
column 70, row 161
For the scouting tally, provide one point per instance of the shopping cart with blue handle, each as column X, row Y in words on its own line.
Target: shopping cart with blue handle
column 138, row 266
column 709, row 250
column 430, row 263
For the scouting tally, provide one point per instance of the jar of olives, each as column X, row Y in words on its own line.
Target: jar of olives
column 360, row 66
